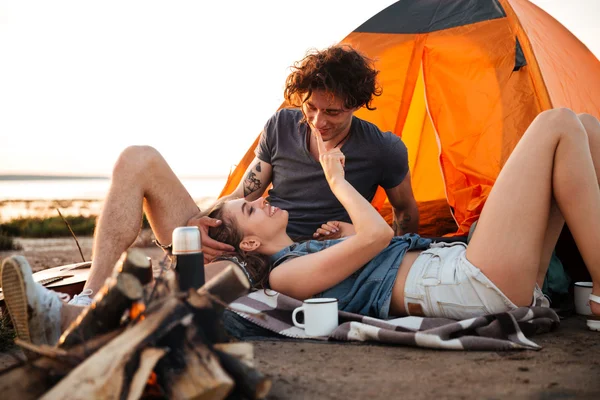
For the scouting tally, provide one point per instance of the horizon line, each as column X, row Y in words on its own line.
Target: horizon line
column 31, row 177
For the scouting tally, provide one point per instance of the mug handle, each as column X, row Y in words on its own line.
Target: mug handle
column 296, row 311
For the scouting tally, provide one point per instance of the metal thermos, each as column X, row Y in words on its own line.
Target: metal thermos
column 189, row 260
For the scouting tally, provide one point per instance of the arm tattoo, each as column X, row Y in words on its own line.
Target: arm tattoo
column 251, row 183
column 401, row 227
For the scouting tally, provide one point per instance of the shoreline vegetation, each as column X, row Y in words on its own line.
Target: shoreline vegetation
column 40, row 218
column 15, row 209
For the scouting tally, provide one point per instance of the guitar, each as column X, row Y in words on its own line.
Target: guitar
column 68, row 278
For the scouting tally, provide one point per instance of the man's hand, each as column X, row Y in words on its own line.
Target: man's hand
column 210, row 247
column 334, row 230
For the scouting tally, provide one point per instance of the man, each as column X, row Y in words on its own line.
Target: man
column 327, row 87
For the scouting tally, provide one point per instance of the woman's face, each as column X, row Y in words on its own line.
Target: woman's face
column 257, row 218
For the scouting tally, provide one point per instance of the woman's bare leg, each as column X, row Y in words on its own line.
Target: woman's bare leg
column 552, row 159
column 556, row 222
column 141, row 181
column 555, row 219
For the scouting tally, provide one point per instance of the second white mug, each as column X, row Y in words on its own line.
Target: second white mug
column 582, row 296
column 320, row 316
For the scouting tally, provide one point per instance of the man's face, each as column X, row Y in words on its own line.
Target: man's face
column 327, row 115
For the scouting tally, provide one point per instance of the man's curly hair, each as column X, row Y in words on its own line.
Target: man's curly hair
column 339, row 70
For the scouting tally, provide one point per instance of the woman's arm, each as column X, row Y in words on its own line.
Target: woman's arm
column 306, row 276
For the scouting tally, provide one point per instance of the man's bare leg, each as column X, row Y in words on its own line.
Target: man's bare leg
column 141, row 181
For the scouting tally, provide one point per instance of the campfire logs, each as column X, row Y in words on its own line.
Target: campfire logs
column 145, row 341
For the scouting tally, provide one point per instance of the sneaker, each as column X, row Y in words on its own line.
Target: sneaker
column 33, row 309
column 82, row 299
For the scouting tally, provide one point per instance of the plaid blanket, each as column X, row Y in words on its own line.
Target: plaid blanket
column 504, row 331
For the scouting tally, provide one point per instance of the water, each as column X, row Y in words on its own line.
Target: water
column 92, row 189
column 42, row 197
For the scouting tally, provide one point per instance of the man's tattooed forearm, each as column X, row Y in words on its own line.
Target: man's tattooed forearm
column 401, row 227
column 251, row 183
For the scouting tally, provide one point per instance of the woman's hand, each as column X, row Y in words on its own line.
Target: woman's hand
column 334, row 230
column 332, row 161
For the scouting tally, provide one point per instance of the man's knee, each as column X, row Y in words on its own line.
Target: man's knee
column 135, row 159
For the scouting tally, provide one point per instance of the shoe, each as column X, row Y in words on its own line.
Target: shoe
column 83, row 298
column 33, row 309
column 593, row 321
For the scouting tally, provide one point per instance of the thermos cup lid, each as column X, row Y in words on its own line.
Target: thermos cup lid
column 186, row 240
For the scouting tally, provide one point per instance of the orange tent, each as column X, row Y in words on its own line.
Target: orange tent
column 461, row 82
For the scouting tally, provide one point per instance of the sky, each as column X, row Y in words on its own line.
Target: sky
column 81, row 80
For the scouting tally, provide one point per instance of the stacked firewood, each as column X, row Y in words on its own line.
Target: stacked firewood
column 143, row 338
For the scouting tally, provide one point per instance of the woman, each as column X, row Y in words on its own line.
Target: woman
column 551, row 177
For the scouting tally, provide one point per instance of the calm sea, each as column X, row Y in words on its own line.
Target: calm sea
column 91, row 189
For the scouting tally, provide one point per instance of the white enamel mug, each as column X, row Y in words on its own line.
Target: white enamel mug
column 582, row 298
column 320, row 316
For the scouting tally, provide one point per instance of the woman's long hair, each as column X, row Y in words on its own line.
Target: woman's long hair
column 258, row 265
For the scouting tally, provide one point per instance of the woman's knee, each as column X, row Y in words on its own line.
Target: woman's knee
column 560, row 115
column 589, row 121
column 559, row 121
column 591, row 126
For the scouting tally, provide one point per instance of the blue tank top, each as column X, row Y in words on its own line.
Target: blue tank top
column 368, row 291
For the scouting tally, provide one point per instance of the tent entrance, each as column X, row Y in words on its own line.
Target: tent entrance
column 420, row 137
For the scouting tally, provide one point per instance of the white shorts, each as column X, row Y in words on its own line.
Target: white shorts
column 443, row 283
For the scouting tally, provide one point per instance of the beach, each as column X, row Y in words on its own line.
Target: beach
column 568, row 366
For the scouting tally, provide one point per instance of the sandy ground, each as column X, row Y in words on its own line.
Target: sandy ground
column 568, row 366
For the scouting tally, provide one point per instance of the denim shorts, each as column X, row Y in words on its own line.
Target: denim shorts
column 443, row 283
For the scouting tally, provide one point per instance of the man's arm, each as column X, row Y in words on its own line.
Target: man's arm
column 257, row 179
column 404, row 205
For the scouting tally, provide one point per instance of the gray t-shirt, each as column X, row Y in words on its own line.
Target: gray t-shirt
column 373, row 158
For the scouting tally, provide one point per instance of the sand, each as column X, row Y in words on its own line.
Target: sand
column 567, row 367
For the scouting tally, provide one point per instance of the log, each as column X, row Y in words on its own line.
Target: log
column 29, row 381
column 202, row 378
column 210, row 301
column 243, row 351
column 148, row 360
column 106, row 313
column 32, row 379
column 42, row 349
column 102, row 375
column 228, row 285
column 164, row 285
column 135, row 262
column 248, row 381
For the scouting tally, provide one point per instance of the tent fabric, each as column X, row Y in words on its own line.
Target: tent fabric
column 431, row 15
column 462, row 80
